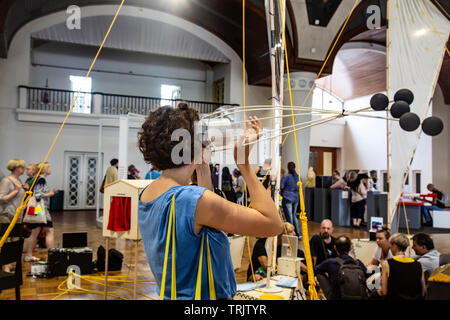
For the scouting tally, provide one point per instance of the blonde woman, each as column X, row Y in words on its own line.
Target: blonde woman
column 11, row 190
column 11, row 193
column 402, row 277
column 41, row 190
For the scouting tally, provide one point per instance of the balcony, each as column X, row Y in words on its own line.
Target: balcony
column 51, row 105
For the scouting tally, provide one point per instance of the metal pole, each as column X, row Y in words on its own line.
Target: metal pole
column 277, row 98
column 387, row 123
column 99, row 169
column 136, row 242
column 106, row 267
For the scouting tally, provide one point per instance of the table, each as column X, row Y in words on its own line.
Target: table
column 413, row 213
column 286, row 293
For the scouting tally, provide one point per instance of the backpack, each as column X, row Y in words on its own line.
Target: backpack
column 115, row 259
column 351, row 281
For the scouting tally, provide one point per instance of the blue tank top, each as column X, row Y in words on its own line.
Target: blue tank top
column 153, row 218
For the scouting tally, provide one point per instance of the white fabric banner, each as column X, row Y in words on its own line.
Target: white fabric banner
column 417, row 30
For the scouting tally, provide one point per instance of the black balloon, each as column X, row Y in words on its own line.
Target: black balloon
column 432, row 126
column 399, row 108
column 409, row 121
column 404, row 95
column 379, row 102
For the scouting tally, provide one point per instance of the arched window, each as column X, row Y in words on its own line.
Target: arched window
column 325, row 100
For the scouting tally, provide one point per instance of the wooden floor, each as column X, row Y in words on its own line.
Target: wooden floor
column 78, row 221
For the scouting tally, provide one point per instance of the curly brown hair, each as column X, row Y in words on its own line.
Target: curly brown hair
column 154, row 138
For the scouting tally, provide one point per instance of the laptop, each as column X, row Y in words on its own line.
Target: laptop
column 74, row 240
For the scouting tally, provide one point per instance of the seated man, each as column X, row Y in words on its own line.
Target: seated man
column 427, row 255
column 260, row 259
column 436, row 204
column 328, row 271
column 322, row 244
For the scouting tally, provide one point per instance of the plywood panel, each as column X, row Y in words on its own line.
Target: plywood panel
column 356, row 73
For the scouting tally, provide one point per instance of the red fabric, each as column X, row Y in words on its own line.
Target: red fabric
column 410, row 203
column 119, row 214
column 30, row 211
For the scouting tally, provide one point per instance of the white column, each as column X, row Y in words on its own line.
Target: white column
column 123, row 148
column 301, row 83
column 97, row 104
column 209, row 77
column 23, row 94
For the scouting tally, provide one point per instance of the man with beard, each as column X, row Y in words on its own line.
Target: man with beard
column 322, row 244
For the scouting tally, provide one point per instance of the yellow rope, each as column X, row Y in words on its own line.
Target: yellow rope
column 89, row 279
column 304, row 220
column 28, row 194
column 312, row 291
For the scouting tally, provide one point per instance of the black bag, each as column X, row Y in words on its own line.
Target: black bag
column 115, row 259
column 351, row 281
column 58, row 261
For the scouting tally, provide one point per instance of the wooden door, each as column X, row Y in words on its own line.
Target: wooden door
column 323, row 160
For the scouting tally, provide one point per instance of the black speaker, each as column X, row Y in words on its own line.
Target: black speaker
column 58, row 261
column 81, row 258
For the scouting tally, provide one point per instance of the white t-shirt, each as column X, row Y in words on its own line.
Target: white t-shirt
column 378, row 252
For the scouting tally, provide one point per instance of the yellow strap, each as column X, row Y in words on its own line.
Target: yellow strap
column 403, row 259
column 198, row 289
column 174, row 271
column 171, row 231
column 212, row 290
column 166, row 254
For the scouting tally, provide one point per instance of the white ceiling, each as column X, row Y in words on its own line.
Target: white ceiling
column 135, row 34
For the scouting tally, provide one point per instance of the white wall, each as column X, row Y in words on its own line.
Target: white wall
column 56, row 62
column 332, row 135
column 31, row 141
column 441, row 144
